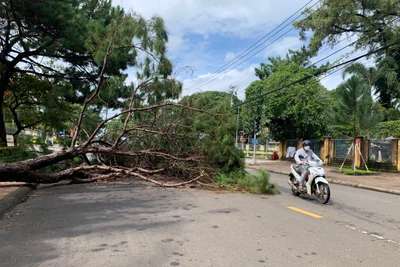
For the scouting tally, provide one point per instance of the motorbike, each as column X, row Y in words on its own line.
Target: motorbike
column 316, row 184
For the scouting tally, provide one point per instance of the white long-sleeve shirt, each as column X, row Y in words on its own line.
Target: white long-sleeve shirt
column 307, row 155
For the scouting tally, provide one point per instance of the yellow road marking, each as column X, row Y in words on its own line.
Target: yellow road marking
column 306, row 212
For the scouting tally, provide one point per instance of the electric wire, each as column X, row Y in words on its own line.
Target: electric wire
column 259, row 97
column 343, row 65
column 243, row 54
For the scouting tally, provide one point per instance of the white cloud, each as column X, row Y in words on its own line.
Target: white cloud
column 177, row 44
column 236, row 17
column 229, row 56
column 282, row 46
column 239, row 78
column 219, row 23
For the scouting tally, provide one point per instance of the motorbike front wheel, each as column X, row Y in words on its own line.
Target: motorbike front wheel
column 294, row 191
column 324, row 193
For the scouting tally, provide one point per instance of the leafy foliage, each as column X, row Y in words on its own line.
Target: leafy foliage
column 294, row 112
column 355, row 108
column 13, row 154
column 387, row 81
column 149, row 136
column 357, row 172
column 67, row 41
column 258, row 183
column 213, row 135
column 370, row 20
column 374, row 25
column 34, row 101
column 387, row 129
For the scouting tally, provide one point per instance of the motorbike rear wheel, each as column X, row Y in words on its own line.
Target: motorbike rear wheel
column 325, row 193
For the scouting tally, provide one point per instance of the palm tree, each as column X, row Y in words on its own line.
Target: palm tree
column 384, row 80
column 387, row 82
column 355, row 107
column 367, row 74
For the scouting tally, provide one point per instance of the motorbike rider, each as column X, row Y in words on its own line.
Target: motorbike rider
column 302, row 156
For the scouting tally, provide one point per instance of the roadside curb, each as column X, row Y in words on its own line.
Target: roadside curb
column 373, row 188
column 14, row 198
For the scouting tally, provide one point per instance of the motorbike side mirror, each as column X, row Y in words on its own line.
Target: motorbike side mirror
column 301, row 156
column 327, row 156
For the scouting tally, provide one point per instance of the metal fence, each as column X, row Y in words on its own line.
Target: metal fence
column 382, row 153
column 250, row 146
column 316, row 146
column 376, row 153
column 342, row 148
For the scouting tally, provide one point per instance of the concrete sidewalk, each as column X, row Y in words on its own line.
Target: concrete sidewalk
column 379, row 181
column 11, row 194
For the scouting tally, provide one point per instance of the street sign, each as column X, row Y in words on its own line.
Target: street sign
column 255, row 142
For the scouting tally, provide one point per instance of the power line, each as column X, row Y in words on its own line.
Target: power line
column 243, row 54
column 345, row 46
column 259, row 97
column 204, row 82
column 344, row 64
column 335, row 72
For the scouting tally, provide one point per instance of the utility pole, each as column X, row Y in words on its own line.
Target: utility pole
column 256, row 129
column 254, row 149
column 232, row 91
column 237, row 125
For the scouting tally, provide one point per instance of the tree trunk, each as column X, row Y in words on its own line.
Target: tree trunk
column 26, row 171
column 5, row 75
column 21, row 172
column 3, row 134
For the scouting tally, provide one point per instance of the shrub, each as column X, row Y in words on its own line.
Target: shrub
column 247, row 182
column 357, row 172
column 13, row 154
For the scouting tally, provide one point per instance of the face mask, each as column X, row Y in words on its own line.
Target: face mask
column 307, row 148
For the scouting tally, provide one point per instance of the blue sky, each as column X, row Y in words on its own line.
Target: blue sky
column 207, row 34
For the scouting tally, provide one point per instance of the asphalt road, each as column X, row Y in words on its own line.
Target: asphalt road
column 137, row 225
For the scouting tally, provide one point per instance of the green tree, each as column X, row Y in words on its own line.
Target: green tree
column 367, row 74
column 149, row 137
column 34, row 102
column 373, row 23
column 355, row 109
column 93, row 37
column 65, row 40
column 250, row 111
column 387, row 129
column 213, row 135
column 384, row 82
column 370, row 20
column 387, row 81
column 293, row 112
column 300, row 57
